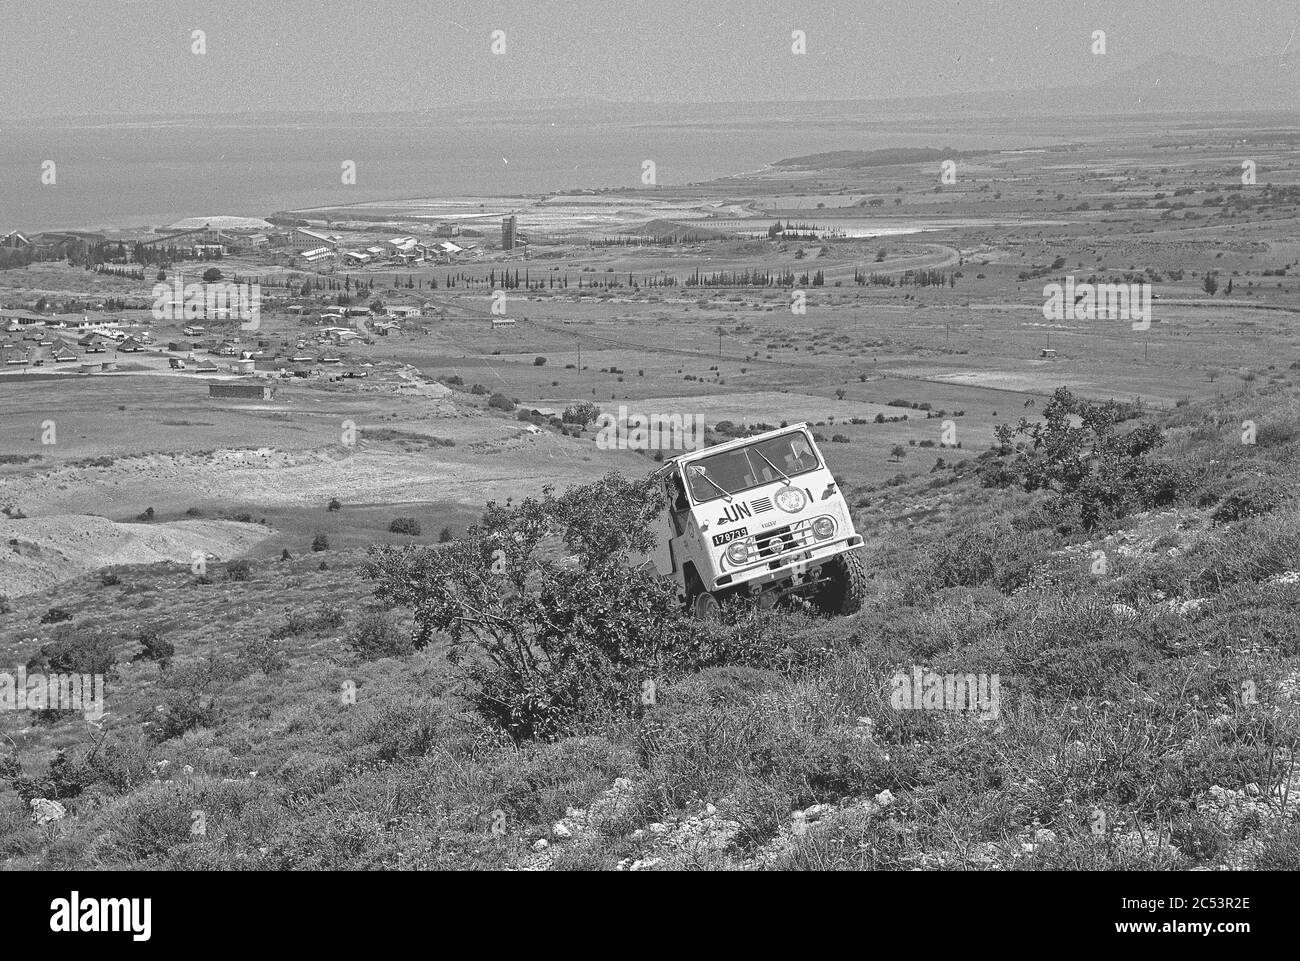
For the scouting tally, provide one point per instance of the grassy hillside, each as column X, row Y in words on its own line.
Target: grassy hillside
column 1149, row 670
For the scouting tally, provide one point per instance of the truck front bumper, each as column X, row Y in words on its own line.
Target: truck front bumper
column 791, row 564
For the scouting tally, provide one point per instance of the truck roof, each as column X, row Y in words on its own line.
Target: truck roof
column 737, row 442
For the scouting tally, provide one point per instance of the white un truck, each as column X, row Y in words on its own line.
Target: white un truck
column 761, row 517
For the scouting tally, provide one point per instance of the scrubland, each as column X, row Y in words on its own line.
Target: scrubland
column 1141, row 616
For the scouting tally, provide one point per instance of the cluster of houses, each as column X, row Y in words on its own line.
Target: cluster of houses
column 221, row 236
column 29, row 340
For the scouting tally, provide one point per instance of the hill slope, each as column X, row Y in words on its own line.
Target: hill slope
column 1147, row 670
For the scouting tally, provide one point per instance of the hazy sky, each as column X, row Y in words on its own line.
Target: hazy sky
column 134, row 56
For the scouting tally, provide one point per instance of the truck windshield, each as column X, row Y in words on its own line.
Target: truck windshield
column 751, row 466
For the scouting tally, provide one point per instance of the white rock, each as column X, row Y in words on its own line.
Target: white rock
column 561, row 830
column 710, row 810
column 45, row 811
column 817, row 812
column 541, row 844
column 1124, row 612
column 647, row 864
column 884, row 798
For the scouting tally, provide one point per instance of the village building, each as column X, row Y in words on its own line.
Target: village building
column 302, row 239
column 242, row 390
column 317, row 254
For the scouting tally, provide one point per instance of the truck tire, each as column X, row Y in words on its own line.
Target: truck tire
column 704, row 607
column 846, row 588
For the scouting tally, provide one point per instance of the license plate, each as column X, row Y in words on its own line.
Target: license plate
column 727, row 537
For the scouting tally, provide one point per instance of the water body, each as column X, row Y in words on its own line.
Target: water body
column 123, row 173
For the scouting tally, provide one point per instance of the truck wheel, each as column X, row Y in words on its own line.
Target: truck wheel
column 845, row 590
column 705, row 607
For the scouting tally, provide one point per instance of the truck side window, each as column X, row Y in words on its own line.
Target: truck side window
column 679, row 495
column 677, row 506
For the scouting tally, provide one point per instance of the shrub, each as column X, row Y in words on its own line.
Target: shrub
column 404, row 525
column 109, row 579
column 320, row 543
column 263, row 654
column 501, row 402
column 445, row 536
column 238, row 570
column 188, row 699
column 75, row 651
column 333, row 505
column 582, row 413
column 154, row 647
column 566, row 647
column 55, row 615
column 329, row 615
column 375, row 636
column 300, row 622
column 1092, row 468
column 539, row 361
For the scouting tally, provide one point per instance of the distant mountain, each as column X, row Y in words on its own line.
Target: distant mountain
column 1166, row 82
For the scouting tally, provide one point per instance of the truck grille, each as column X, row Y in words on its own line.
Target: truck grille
column 771, row 545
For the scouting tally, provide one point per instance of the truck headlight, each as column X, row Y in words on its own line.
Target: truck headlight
column 823, row 527
column 737, row 552
column 790, row 499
